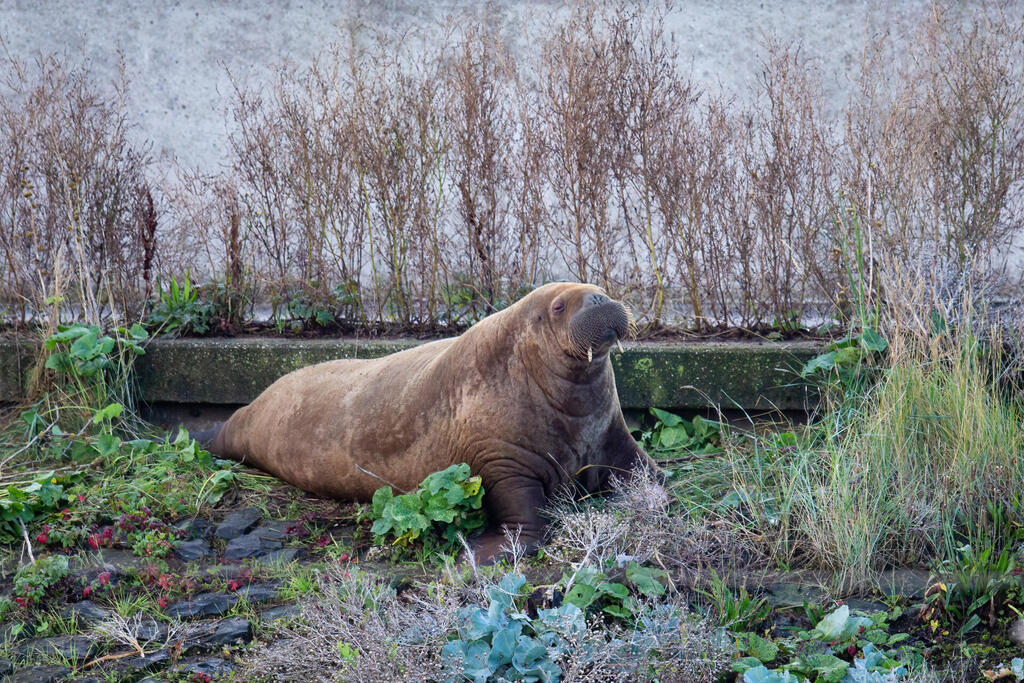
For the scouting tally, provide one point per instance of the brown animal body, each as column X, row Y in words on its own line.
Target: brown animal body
column 526, row 397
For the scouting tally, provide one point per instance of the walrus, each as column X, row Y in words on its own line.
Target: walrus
column 526, row 397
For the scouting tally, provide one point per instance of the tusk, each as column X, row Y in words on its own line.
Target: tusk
column 590, row 355
column 619, row 344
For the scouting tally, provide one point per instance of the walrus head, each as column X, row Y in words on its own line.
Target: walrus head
column 584, row 321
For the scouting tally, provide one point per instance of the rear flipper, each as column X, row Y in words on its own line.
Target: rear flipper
column 208, row 437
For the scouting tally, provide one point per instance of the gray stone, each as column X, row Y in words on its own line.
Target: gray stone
column 195, row 528
column 1017, row 632
column 794, row 595
column 866, row 606
column 6, row 667
column 209, row 636
column 149, row 630
column 249, row 545
column 241, row 547
column 908, row 583
column 190, row 551
column 238, row 523
column 88, row 565
column 202, row 605
column 273, row 530
column 282, row 556
column 90, row 679
column 258, row 592
column 40, row 674
column 72, row 648
column 212, row 667
column 130, row 666
column 86, row 610
column 282, row 612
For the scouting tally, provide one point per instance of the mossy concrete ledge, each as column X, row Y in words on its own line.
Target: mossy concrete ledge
column 688, row 375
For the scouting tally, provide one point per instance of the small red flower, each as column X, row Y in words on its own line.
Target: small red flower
column 81, row 498
column 162, row 601
column 86, row 591
column 322, row 541
column 234, row 585
column 94, row 542
column 21, row 601
column 852, row 650
column 344, row 556
column 103, row 578
column 41, row 538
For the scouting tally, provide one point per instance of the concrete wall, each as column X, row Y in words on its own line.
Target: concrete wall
column 179, row 52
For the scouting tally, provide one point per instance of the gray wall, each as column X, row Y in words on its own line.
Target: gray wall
column 178, row 53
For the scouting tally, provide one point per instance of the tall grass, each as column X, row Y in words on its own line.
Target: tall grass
column 903, row 470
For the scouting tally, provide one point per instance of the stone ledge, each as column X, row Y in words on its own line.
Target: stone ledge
column 677, row 375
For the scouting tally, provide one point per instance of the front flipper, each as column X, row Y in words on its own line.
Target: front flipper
column 515, row 493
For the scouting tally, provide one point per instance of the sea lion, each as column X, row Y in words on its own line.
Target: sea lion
column 526, row 397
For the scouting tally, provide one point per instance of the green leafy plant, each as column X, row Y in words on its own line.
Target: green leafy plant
column 848, row 358
column 736, row 610
column 840, row 648
column 178, row 309
column 501, row 642
column 24, row 503
column 445, row 505
column 590, row 589
column 672, row 433
column 32, row 581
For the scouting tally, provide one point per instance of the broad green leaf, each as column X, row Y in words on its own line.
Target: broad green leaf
column 872, row 341
column 110, row 412
column 666, row 418
column 824, row 363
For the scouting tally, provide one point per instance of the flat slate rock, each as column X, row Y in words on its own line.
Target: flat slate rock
column 283, row 612
column 794, row 594
column 908, row 583
column 249, row 545
column 213, row 667
column 112, row 560
column 202, row 605
column 190, row 551
column 282, row 556
column 273, row 530
column 195, row 528
column 212, row 635
column 40, row 674
column 86, row 610
column 130, row 666
column 238, row 523
column 149, row 630
column 72, row 648
column 258, row 592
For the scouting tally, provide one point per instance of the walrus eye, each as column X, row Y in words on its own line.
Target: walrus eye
column 558, row 306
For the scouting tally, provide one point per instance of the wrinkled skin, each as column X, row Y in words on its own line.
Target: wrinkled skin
column 526, row 397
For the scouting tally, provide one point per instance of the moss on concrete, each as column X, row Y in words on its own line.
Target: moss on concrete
column 680, row 376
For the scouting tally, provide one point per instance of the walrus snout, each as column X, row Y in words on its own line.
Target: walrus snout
column 599, row 323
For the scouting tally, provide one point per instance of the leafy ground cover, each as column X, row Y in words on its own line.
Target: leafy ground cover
column 132, row 554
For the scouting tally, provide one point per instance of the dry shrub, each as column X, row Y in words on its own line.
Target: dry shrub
column 429, row 178
column 400, row 637
column 77, row 217
column 637, row 522
column 396, row 638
